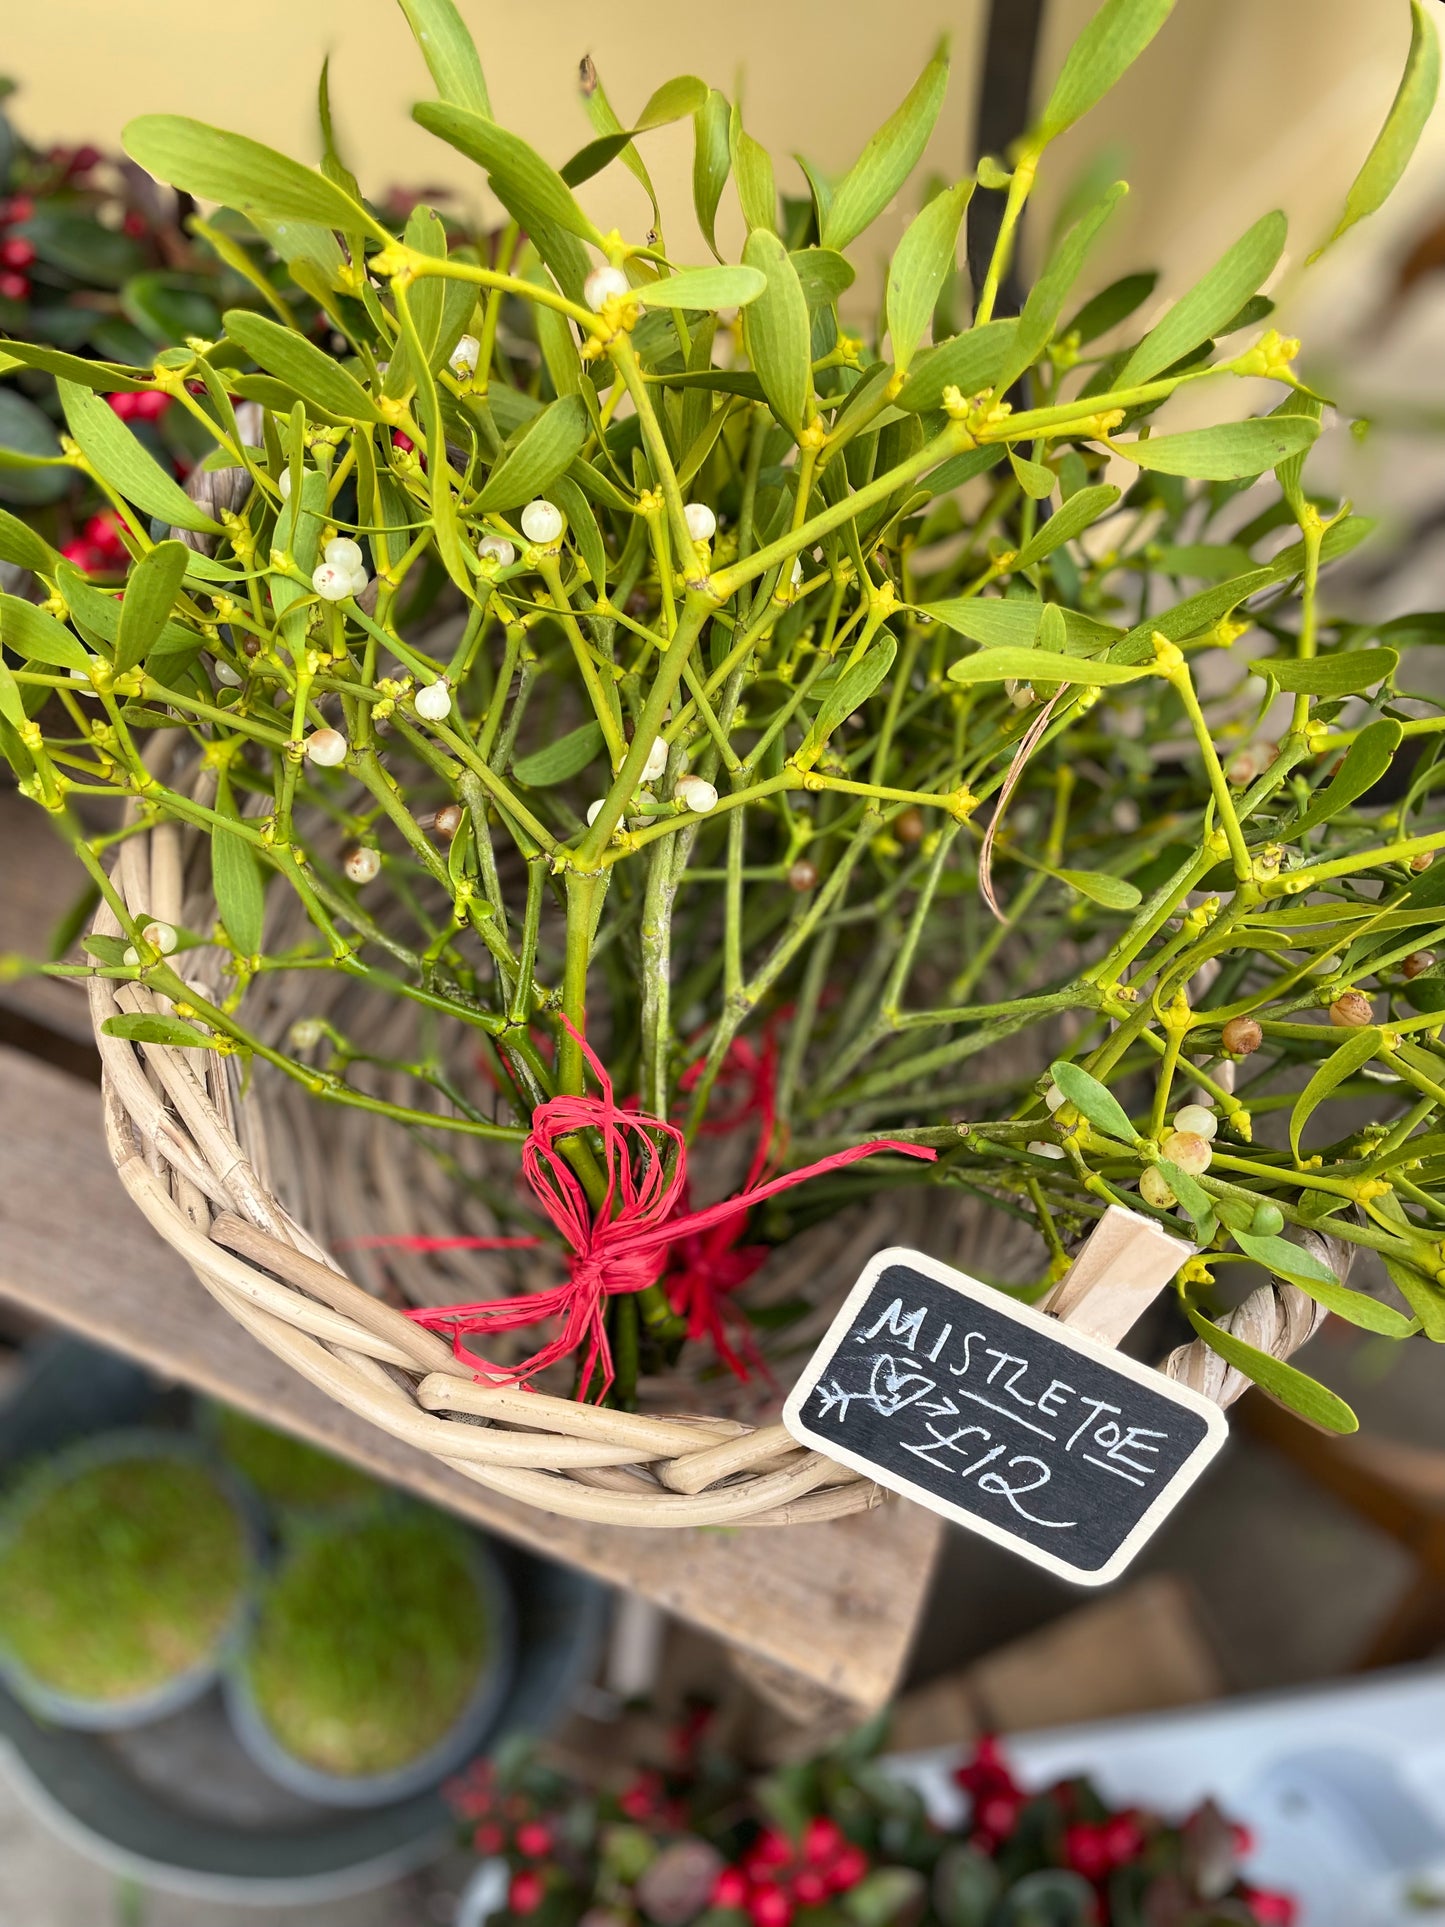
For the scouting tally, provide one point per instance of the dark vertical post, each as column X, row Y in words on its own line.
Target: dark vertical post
column 1005, row 90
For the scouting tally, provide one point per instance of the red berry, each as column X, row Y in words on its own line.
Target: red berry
column 810, row 1889
column 489, row 1838
column 534, row 1839
column 104, row 532
column 1123, row 1839
column 123, row 405
column 770, row 1907
column 822, row 1840
column 1085, row 1851
column 19, row 207
column 85, row 555
column 773, row 1849
column 527, row 1892
column 402, row 443
column 14, row 287
column 134, row 225
column 1242, row 1841
column 998, row 1813
column 83, row 160
column 641, row 1800
column 151, row 405
column 1271, row 1909
column 17, row 252
column 847, row 1869
column 731, row 1888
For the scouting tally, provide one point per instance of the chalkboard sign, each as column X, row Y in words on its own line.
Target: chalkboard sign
column 1001, row 1418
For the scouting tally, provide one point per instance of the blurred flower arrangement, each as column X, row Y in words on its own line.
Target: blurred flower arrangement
column 839, row 1842
column 98, row 259
column 855, row 716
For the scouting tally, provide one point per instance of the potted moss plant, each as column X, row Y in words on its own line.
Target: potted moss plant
column 125, row 1573
column 290, row 1477
column 377, row 1659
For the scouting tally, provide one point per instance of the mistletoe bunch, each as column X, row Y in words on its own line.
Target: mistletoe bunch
column 589, row 646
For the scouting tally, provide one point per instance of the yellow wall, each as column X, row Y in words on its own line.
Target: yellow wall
column 1238, row 106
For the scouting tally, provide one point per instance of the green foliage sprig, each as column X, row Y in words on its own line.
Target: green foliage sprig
column 868, row 692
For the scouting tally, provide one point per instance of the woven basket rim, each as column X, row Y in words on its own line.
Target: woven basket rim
column 172, row 1134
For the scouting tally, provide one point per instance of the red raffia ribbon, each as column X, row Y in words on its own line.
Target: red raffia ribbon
column 624, row 1245
column 707, row 1267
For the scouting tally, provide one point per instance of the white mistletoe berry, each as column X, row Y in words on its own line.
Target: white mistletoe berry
column 594, row 810
column 496, row 548
column 433, row 701
column 1197, row 1120
column 656, row 764
column 542, row 521
column 697, row 794
column 1190, row 1152
column 1041, row 1148
column 797, row 576
column 227, row 675
column 1054, row 1097
column 326, row 747
column 464, row 357
column 1153, row 1190
column 332, row 584
column 701, row 522
column 363, row 864
column 284, row 484
column 344, row 554
column 160, row 936
column 601, row 283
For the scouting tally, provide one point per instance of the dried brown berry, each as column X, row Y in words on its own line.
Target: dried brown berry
column 1417, row 963
column 908, row 826
column 802, row 876
column 1241, row 1035
column 449, row 820
column 1422, row 861
column 1352, row 1010
column 251, row 645
column 1241, row 769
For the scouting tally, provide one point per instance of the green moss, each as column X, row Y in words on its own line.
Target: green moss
column 121, row 1577
column 284, row 1470
column 369, row 1643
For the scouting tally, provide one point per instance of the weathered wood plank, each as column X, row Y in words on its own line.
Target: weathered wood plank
column 836, row 1603
column 40, row 882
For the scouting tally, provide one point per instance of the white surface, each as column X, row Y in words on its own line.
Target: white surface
column 1343, row 1788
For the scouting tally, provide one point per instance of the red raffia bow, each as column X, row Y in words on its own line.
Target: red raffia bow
column 623, row 1246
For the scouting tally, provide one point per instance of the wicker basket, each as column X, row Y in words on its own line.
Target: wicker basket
column 195, row 1157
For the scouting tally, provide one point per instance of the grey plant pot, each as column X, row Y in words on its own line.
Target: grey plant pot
column 251, row 1844
column 459, row 1743
column 107, row 1715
